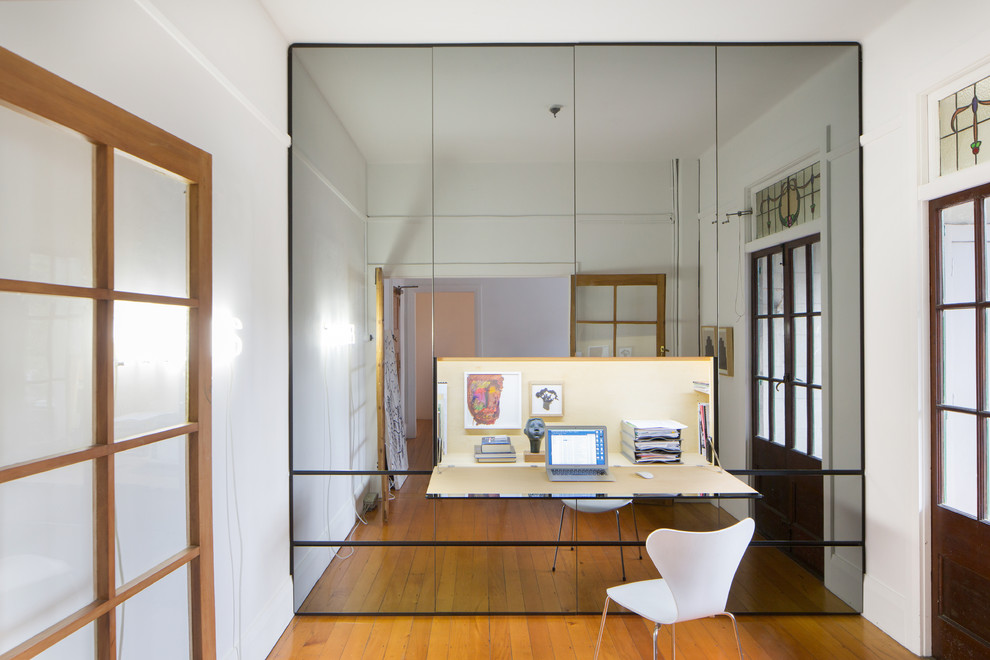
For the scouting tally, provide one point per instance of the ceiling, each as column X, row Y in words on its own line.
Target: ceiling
column 556, row 21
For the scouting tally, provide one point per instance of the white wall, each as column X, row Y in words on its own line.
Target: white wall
column 915, row 52
column 332, row 381
column 214, row 75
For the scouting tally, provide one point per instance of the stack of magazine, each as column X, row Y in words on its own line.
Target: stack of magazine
column 652, row 441
column 495, row 449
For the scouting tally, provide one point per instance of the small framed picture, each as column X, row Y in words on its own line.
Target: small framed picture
column 725, row 351
column 602, row 350
column 625, row 351
column 707, row 341
column 546, row 399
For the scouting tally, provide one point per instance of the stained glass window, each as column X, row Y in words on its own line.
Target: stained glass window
column 792, row 201
column 961, row 118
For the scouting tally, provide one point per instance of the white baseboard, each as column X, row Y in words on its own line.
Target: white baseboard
column 887, row 610
column 264, row 631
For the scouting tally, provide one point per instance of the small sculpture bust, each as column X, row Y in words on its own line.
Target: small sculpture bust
column 535, row 430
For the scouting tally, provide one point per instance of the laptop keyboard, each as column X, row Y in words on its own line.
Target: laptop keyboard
column 581, row 472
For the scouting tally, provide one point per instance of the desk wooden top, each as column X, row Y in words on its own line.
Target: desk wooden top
column 522, row 480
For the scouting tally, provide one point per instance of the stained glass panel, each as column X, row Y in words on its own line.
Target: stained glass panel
column 962, row 118
column 789, row 202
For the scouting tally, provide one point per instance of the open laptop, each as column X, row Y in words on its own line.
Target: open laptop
column 577, row 453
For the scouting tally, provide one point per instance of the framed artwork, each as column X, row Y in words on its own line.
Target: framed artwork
column 625, row 351
column 546, row 399
column 708, row 341
column 493, row 400
column 602, row 350
column 725, row 351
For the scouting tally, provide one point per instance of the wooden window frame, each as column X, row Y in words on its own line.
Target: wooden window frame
column 658, row 280
column 28, row 88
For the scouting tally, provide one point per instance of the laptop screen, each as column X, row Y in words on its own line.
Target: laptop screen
column 576, row 445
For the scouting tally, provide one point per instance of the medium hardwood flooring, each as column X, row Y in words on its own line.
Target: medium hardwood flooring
column 836, row 637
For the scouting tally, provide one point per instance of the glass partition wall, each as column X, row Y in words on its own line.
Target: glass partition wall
column 480, row 180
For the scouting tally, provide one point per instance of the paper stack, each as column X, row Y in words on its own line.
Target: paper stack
column 652, row 441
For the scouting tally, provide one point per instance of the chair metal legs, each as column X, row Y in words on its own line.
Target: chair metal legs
column 618, row 527
column 601, row 628
column 735, row 627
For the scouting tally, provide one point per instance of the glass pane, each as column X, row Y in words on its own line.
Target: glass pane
column 151, row 488
column 46, row 202
column 779, row 414
column 80, row 645
column 594, row 303
column 816, row 423
column 636, row 340
column 46, row 551
column 778, row 348
column 801, row 419
column 816, row 277
column 777, row 285
column 800, row 343
column 959, row 358
column 594, row 339
column 46, row 376
column 154, row 624
column 151, row 366
column 816, row 350
column 761, row 285
column 151, row 229
column 986, row 246
column 763, row 409
column 800, row 274
column 762, row 348
column 958, row 254
column 959, row 464
column 636, row 303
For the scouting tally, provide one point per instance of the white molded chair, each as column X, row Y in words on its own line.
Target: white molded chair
column 697, row 570
column 596, row 506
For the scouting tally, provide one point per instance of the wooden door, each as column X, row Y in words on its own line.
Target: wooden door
column 618, row 315
column 960, row 418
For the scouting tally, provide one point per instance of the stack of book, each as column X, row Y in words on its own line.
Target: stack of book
column 652, row 441
column 495, row 449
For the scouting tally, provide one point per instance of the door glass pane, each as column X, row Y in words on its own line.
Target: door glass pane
column 958, row 254
column 959, row 467
column 761, row 285
column 816, row 277
column 800, row 274
column 779, row 414
column 763, row 409
column 762, row 348
column 800, row 344
column 150, row 486
column 801, row 419
column 816, row 350
column 80, row 645
column 638, row 340
column 778, row 348
column 46, row 551
column 594, row 339
column 959, row 358
column 46, row 202
column 154, row 624
column 636, row 303
column 151, row 229
column 777, row 283
column 816, row 423
column 986, row 247
column 46, row 376
column 594, row 303
column 151, row 367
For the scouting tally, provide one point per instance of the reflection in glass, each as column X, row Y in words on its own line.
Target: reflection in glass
column 800, row 275
column 154, row 624
column 763, row 410
column 150, row 485
column 80, row 645
column 816, row 423
column 958, row 254
column 151, row 229
column 595, row 303
column 761, row 286
column 151, row 366
column 636, row 303
column 959, row 469
column 801, row 419
column 777, row 283
column 762, row 348
column 779, row 414
column 46, row 202
column 46, row 550
column 46, row 354
column 958, row 358
column 594, row 340
column 778, row 368
column 635, row 340
column 800, row 342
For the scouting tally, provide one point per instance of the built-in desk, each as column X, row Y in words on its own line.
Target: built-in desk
column 461, row 477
